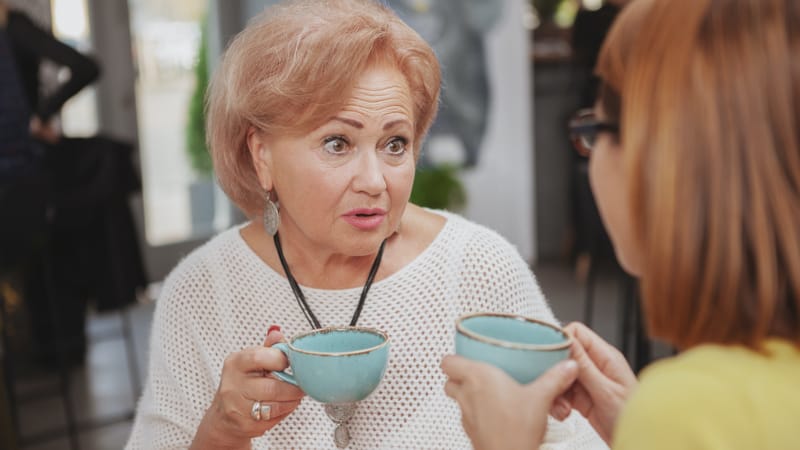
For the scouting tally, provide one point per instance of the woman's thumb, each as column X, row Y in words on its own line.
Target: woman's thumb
column 555, row 381
column 590, row 376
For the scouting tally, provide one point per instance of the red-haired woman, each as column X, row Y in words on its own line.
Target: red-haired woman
column 695, row 164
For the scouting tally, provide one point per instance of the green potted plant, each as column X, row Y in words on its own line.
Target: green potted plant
column 438, row 187
column 555, row 15
column 199, row 157
column 201, row 191
column 546, row 8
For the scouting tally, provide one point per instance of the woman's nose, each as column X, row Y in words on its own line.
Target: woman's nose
column 369, row 176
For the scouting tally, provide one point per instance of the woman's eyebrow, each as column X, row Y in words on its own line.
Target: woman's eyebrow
column 351, row 122
column 392, row 123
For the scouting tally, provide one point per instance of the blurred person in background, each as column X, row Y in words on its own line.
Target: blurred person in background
column 79, row 186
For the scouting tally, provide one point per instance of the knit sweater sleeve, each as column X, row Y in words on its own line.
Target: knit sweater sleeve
column 496, row 278
column 178, row 388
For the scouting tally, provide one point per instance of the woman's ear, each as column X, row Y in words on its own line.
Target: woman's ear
column 261, row 157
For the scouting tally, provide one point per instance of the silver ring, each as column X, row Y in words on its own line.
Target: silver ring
column 265, row 411
column 255, row 410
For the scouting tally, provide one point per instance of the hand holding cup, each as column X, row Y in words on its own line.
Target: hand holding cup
column 231, row 420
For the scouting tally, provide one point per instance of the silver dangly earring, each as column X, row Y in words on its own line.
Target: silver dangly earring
column 271, row 217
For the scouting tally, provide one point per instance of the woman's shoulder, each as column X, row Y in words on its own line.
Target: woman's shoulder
column 706, row 371
column 670, row 408
column 195, row 270
column 221, row 244
column 678, row 379
column 490, row 272
column 725, row 364
column 476, row 248
column 709, row 389
column 468, row 232
column 441, row 233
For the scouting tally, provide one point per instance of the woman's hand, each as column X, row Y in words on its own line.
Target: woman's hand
column 245, row 379
column 605, row 381
column 496, row 411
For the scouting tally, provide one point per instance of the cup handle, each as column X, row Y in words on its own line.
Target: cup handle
column 283, row 376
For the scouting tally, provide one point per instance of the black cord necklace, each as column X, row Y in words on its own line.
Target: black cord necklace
column 301, row 299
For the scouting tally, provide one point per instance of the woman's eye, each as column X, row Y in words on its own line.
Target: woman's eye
column 335, row 145
column 396, row 146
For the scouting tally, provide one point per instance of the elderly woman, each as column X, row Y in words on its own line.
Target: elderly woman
column 316, row 116
column 695, row 162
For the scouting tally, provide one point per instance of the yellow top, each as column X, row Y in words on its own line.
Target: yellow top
column 716, row 397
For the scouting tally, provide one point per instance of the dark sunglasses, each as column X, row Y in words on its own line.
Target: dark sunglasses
column 584, row 128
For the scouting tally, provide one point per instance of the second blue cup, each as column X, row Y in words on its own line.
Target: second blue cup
column 523, row 347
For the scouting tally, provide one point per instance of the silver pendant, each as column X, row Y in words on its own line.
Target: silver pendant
column 340, row 413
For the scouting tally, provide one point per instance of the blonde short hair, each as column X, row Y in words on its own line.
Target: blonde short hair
column 291, row 69
column 710, row 132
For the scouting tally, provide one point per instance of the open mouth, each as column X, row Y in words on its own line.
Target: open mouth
column 365, row 212
column 365, row 219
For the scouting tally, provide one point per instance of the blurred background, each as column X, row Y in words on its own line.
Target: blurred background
column 515, row 71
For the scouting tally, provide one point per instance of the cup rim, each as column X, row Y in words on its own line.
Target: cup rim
column 376, row 331
column 512, row 345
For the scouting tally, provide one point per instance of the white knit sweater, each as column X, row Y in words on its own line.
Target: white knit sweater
column 222, row 297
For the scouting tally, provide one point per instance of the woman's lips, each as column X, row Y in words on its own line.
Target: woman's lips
column 365, row 219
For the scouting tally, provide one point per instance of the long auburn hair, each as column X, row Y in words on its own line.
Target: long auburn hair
column 708, row 94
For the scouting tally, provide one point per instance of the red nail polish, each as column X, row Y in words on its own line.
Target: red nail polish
column 273, row 328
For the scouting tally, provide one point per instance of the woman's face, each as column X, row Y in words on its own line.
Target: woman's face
column 344, row 186
column 607, row 178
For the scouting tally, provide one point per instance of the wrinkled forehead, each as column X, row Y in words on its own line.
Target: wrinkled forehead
column 381, row 90
column 380, row 93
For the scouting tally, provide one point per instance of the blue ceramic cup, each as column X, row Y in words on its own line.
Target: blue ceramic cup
column 336, row 364
column 524, row 348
